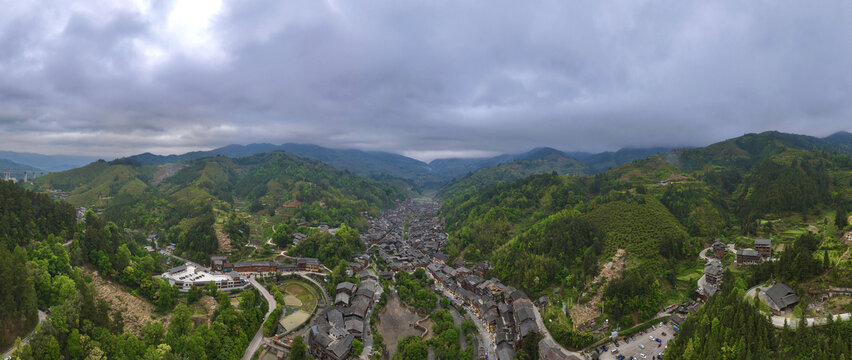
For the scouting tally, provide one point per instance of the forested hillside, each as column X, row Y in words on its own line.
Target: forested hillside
column 511, row 171
column 28, row 220
column 547, row 231
column 185, row 206
column 40, row 273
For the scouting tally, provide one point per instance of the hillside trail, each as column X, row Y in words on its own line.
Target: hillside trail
column 590, row 310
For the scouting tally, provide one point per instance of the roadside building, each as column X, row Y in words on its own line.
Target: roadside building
column 525, row 323
column 782, row 298
column 748, row 257
column 713, row 272
column 764, row 247
column 707, row 291
column 719, row 249
column 220, row 263
column 186, row 276
column 256, row 267
column 308, row 264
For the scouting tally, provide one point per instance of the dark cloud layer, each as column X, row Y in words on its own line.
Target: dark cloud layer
column 426, row 79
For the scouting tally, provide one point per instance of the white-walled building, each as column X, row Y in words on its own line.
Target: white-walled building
column 186, row 276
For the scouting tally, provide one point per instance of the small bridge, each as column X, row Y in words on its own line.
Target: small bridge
column 28, row 174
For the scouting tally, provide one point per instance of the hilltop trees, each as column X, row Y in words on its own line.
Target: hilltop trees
column 27, row 216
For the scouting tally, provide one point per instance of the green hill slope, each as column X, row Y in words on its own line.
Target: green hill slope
column 511, row 171
column 659, row 209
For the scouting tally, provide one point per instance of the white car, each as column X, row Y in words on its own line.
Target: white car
column 642, row 356
column 651, row 337
column 641, row 346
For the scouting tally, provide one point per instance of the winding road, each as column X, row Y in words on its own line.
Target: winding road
column 258, row 337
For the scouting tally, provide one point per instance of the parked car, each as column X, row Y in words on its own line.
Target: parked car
column 643, row 356
column 664, row 333
column 658, row 340
column 642, row 346
column 604, row 348
column 616, row 343
column 614, row 351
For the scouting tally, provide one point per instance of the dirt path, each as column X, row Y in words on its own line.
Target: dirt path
column 135, row 311
column 581, row 313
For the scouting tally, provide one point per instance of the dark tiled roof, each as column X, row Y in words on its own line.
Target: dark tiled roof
column 782, row 295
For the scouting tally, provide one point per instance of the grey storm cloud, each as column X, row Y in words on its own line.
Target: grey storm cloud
column 425, row 79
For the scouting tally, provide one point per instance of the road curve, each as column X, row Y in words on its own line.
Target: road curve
column 258, row 337
column 42, row 316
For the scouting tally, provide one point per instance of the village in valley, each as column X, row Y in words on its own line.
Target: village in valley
column 411, row 238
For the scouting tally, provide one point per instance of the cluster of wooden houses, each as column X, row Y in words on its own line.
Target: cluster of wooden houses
column 331, row 336
column 762, row 251
column 507, row 312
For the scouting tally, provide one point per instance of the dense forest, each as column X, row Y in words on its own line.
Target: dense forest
column 26, row 216
column 330, row 249
column 726, row 327
column 40, row 273
column 32, row 230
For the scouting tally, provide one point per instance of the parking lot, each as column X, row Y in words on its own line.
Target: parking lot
column 652, row 348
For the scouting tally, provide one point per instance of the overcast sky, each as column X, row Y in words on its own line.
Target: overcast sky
column 426, row 79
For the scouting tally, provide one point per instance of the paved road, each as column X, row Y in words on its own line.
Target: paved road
column 258, row 337
column 546, row 334
column 42, row 316
column 486, row 340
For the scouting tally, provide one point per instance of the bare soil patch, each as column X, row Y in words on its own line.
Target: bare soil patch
column 581, row 313
column 396, row 321
column 224, row 242
column 135, row 311
column 166, row 170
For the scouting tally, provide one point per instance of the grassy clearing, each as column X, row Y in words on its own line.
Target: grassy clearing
column 302, row 291
column 692, row 272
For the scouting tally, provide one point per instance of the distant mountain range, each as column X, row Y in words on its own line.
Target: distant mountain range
column 432, row 175
column 11, row 165
column 45, row 162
